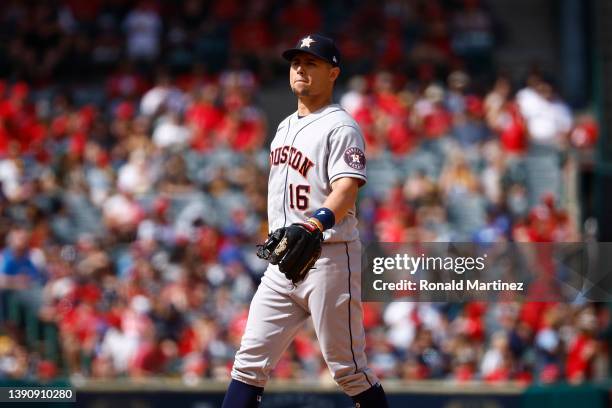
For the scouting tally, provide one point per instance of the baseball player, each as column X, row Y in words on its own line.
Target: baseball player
column 317, row 164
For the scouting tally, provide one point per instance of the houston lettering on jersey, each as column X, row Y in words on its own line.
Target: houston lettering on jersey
column 296, row 159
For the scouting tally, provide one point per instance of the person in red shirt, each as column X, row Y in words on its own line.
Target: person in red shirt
column 503, row 116
column 78, row 334
column 437, row 123
column 430, row 116
column 582, row 350
column 385, row 118
column 512, row 130
column 365, row 117
column 150, row 359
column 243, row 127
column 386, row 98
column 204, row 118
column 19, row 117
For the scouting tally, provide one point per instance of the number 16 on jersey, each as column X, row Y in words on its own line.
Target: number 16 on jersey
column 298, row 196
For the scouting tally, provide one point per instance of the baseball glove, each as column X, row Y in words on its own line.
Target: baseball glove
column 295, row 249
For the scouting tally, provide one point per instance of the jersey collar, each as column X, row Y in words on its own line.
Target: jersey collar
column 314, row 115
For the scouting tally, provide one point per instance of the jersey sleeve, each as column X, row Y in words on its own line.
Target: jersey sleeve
column 346, row 154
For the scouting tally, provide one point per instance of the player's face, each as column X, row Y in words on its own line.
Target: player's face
column 311, row 76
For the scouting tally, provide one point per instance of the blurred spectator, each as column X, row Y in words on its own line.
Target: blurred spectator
column 549, row 347
column 495, row 362
column 134, row 176
column 122, row 214
column 547, row 117
column 354, row 98
column 14, row 359
column 164, row 96
column 19, row 263
column 504, row 117
column 11, row 175
column 204, row 118
column 582, row 349
column 585, row 132
column 143, row 32
column 171, row 133
column 430, row 114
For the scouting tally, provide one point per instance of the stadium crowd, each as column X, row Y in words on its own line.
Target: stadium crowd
column 129, row 223
column 68, row 39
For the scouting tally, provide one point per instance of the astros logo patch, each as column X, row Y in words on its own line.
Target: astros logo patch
column 354, row 157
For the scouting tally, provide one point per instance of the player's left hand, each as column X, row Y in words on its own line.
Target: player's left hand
column 295, row 249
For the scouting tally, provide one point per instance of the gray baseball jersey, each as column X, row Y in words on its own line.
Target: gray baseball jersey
column 306, row 156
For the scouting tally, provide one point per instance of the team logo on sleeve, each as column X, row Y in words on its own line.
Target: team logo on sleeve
column 354, row 157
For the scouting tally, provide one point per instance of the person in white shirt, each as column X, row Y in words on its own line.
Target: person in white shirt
column 548, row 118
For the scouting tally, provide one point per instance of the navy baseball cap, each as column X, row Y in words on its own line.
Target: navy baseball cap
column 317, row 45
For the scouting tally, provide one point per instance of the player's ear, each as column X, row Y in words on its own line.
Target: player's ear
column 334, row 73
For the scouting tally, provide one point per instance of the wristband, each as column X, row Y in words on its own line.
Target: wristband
column 315, row 223
column 325, row 216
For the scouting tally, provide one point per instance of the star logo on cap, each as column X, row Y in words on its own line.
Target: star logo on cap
column 306, row 42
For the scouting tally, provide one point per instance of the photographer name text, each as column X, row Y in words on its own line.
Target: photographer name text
column 452, row 285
